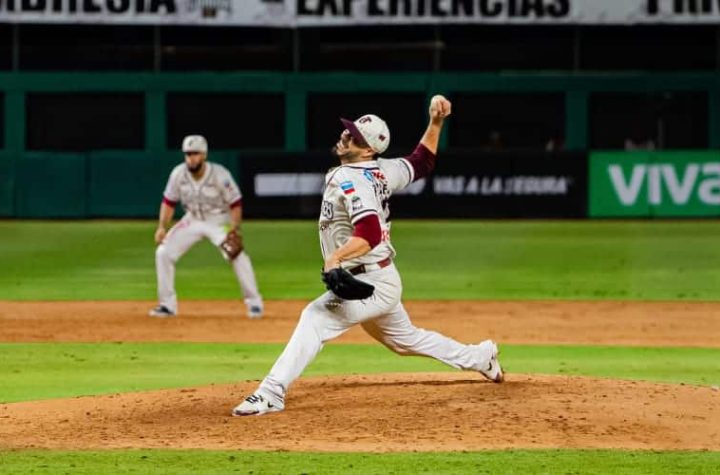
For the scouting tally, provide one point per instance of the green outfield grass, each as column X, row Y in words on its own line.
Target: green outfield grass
column 645, row 260
column 45, row 371
column 521, row 462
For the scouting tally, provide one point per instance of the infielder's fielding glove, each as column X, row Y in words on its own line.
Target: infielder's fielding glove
column 344, row 285
column 232, row 246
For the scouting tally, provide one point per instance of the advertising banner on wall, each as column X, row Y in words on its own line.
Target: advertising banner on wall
column 310, row 13
column 464, row 185
column 649, row 184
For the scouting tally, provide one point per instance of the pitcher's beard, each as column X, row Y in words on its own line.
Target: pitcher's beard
column 346, row 155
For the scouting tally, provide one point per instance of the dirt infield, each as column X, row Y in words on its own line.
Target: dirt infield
column 392, row 412
column 597, row 323
column 398, row 412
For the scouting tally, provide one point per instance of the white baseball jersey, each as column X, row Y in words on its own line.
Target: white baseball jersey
column 355, row 191
column 209, row 197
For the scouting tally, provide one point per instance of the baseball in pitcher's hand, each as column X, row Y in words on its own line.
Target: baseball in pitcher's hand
column 160, row 235
column 440, row 107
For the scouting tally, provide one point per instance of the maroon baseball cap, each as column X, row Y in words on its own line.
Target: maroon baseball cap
column 354, row 131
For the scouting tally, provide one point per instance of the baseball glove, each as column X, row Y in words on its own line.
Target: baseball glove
column 232, row 246
column 344, row 285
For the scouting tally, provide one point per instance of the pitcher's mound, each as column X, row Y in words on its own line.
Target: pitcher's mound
column 383, row 413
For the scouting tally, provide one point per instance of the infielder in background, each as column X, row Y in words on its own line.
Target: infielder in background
column 355, row 235
column 213, row 209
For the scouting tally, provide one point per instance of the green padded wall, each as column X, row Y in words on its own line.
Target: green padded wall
column 7, row 185
column 51, row 186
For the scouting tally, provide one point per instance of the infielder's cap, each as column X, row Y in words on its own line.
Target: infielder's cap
column 195, row 143
column 371, row 129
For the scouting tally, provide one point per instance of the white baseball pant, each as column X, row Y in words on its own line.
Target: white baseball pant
column 382, row 316
column 181, row 237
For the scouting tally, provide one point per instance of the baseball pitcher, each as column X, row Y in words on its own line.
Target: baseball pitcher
column 364, row 286
column 213, row 209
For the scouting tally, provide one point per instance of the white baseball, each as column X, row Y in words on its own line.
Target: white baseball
column 436, row 103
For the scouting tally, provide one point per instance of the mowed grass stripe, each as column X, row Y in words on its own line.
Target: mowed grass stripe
column 519, row 462
column 643, row 260
column 36, row 371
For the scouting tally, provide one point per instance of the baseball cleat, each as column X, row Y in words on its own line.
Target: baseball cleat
column 256, row 405
column 491, row 367
column 255, row 311
column 161, row 311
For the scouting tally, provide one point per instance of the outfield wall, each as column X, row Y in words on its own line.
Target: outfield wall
column 466, row 184
column 87, row 185
column 78, row 145
column 52, row 112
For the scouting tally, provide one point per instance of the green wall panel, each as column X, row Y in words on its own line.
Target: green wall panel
column 7, row 185
column 130, row 184
column 125, row 185
column 50, row 186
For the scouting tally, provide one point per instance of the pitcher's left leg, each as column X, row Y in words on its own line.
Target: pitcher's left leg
column 396, row 331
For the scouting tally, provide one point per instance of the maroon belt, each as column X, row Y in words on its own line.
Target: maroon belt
column 362, row 268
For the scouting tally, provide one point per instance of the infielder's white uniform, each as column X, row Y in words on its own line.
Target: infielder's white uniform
column 207, row 203
column 351, row 193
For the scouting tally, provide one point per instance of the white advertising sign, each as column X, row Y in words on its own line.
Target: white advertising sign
column 308, row 13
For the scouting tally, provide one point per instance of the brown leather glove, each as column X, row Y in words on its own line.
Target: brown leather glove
column 232, row 246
